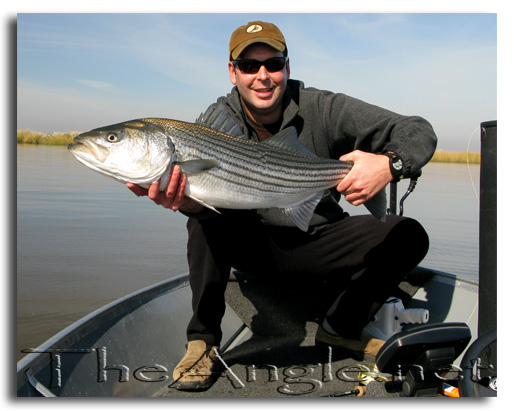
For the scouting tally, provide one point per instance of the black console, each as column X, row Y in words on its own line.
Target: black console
column 423, row 355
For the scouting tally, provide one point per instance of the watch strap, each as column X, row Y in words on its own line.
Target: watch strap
column 395, row 165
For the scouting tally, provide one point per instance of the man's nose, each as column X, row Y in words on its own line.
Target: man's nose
column 263, row 73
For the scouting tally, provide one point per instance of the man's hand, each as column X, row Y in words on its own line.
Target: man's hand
column 370, row 174
column 173, row 197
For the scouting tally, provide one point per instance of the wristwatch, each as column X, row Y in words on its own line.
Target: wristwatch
column 395, row 165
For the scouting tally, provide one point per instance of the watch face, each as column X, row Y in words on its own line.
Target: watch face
column 398, row 165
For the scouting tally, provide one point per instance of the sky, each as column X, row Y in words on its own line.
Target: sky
column 78, row 71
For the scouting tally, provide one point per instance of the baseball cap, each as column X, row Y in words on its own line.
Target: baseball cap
column 256, row 32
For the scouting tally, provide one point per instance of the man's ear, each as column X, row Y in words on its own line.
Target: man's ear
column 232, row 73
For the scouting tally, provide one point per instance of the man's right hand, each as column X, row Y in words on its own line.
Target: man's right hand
column 173, row 197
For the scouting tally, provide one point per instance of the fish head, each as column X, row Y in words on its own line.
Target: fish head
column 135, row 151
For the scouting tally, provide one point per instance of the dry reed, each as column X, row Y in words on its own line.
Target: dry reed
column 456, row 157
column 35, row 137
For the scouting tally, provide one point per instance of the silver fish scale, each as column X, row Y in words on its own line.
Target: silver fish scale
column 257, row 172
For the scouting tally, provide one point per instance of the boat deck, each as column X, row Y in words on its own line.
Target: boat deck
column 275, row 355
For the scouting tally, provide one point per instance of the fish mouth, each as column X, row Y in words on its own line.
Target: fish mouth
column 88, row 150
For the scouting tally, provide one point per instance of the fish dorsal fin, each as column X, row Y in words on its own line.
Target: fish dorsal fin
column 301, row 214
column 217, row 117
column 287, row 139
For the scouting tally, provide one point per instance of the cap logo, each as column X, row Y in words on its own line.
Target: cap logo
column 254, row 28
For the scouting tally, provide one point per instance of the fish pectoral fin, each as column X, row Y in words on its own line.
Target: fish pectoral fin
column 203, row 203
column 301, row 214
column 197, row 166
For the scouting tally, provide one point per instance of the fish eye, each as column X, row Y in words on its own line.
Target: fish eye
column 112, row 137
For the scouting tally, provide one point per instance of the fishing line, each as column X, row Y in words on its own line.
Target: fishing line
column 467, row 160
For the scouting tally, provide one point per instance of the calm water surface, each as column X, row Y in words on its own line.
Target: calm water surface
column 84, row 240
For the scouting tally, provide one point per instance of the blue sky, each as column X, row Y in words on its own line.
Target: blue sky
column 79, row 71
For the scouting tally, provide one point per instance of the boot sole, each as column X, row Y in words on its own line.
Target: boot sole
column 194, row 386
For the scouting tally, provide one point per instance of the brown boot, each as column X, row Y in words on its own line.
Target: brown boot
column 199, row 368
column 365, row 348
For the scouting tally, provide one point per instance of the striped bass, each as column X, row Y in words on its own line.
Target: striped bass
column 222, row 171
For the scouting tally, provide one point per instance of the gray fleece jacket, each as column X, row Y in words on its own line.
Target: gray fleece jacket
column 330, row 125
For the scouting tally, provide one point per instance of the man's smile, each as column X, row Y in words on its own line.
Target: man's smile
column 264, row 92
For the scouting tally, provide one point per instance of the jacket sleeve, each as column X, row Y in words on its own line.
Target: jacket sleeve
column 352, row 124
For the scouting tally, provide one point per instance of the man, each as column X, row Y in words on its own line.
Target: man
column 368, row 256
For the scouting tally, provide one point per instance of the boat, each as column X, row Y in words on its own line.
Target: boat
column 440, row 331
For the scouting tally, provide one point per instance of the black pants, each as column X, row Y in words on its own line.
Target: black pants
column 370, row 257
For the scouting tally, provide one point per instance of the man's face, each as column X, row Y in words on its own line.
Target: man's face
column 262, row 92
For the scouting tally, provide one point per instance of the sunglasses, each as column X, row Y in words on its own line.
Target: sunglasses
column 251, row 66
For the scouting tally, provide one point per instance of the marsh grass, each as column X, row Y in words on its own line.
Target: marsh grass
column 35, row 137
column 63, row 139
column 456, row 157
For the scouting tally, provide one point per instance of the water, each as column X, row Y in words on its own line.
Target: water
column 84, row 240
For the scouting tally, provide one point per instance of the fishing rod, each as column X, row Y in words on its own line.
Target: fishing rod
column 359, row 391
column 393, row 190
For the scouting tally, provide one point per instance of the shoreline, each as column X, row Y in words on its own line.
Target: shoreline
column 63, row 139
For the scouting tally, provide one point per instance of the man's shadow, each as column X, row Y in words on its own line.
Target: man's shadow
column 283, row 314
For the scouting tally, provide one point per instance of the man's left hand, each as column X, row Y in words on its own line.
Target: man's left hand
column 370, row 174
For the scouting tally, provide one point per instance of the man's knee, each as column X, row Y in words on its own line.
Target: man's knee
column 412, row 238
